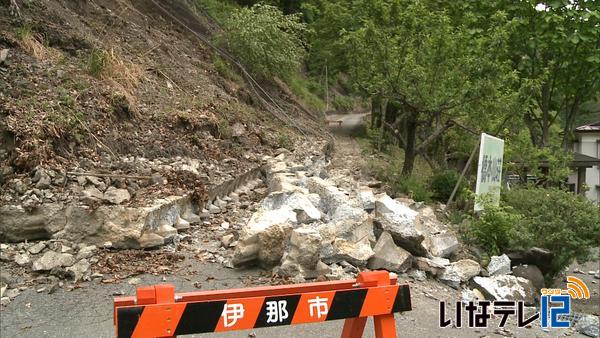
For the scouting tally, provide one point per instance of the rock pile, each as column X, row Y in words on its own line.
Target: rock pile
column 60, row 260
column 308, row 227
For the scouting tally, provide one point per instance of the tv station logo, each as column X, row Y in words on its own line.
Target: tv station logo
column 555, row 308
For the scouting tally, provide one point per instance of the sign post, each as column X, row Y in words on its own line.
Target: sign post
column 489, row 171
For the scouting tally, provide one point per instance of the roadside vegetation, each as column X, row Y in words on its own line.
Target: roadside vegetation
column 436, row 75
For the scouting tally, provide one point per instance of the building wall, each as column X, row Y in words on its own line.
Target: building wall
column 588, row 145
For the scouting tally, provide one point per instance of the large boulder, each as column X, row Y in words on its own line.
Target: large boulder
column 506, row 287
column 459, row 272
column 264, row 236
column 18, row 224
column 539, row 257
column 588, row 325
column 531, row 273
column 355, row 253
column 435, row 266
column 305, row 211
column 51, row 260
column 400, row 221
column 499, row 265
column 441, row 245
column 302, row 257
column 389, row 256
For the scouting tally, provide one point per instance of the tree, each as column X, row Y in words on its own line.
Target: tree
column 267, row 41
column 431, row 72
column 557, row 54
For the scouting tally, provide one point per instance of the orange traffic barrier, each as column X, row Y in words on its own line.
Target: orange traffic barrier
column 157, row 311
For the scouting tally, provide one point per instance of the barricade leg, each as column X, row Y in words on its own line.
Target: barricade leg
column 354, row 328
column 385, row 326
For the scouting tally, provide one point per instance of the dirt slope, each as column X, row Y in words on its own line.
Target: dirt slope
column 102, row 79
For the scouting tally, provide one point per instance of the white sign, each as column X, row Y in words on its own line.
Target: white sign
column 489, row 171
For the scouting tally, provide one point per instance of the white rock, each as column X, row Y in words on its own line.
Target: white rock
column 442, row 245
column 388, row 256
column 151, row 240
column 356, row 254
column 302, row 257
column 435, row 266
column 79, row 270
column 499, row 265
column 400, row 221
column 588, row 325
column 22, row 259
column 506, row 287
column 116, row 196
column 459, row 272
column 86, row 252
column 37, row 248
column 52, row 259
column 182, row 224
column 367, row 198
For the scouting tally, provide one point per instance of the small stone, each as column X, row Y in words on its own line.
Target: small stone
column 22, row 259
column 181, row 224
column 225, row 225
column 86, row 252
column 227, row 240
column 499, row 265
column 150, row 240
column 134, row 281
column 213, row 209
column 37, row 248
column 52, row 259
column 116, row 196
column 66, row 249
column 417, row 275
column 79, row 270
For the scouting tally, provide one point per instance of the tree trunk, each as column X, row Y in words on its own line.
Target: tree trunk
column 410, row 149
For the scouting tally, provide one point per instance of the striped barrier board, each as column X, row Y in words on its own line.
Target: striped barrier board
column 158, row 312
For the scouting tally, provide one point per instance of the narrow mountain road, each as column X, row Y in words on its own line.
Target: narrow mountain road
column 88, row 312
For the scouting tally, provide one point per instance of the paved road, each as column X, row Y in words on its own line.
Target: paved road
column 87, row 312
column 352, row 124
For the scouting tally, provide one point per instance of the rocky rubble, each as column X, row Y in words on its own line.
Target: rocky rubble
column 309, row 227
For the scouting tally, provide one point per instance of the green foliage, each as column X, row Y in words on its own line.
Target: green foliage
column 265, row 40
column 284, row 141
column 442, row 183
column 523, row 156
column 415, row 188
column 24, row 32
column 306, row 90
column 224, row 69
column 564, row 223
column 343, row 103
column 97, row 62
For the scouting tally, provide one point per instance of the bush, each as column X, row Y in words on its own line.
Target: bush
column 305, row 90
column 265, row 40
column 343, row 103
column 442, row 183
column 553, row 219
column 415, row 188
column 97, row 62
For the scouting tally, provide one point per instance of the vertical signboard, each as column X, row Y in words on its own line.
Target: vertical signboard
column 489, row 171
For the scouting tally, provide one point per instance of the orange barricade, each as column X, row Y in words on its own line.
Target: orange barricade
column 157, row 311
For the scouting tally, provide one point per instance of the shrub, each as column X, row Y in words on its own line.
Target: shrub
column 442, row 183
column 265, row 40
column 415, row 188
column 97, row 61
column 305, row 89
column 225, row 70
column 564, row 223
column 343, row 103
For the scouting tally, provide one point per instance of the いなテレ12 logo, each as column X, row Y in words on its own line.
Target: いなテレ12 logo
column 555, row 304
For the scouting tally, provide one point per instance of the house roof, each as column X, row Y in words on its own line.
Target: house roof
column 592, row 127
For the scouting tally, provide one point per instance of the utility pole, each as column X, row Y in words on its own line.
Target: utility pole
column 326, row 89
